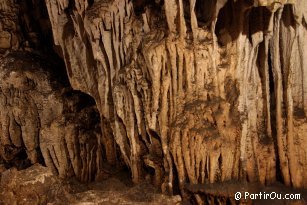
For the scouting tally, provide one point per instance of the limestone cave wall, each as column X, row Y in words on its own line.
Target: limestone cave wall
column 185, row 92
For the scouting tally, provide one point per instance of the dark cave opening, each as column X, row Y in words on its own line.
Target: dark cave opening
column 35, row 25
column 233, row 19
column 139, row 6
column 90, row 2
column 205, row 11
column 258, row 21
column 224, row 22
column 176, row 187
column 149, row 170
column 16, row 157
column 81, row 100
column 82, row 108
column 288, row 16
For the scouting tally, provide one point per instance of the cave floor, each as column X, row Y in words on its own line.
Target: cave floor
column 37, row 185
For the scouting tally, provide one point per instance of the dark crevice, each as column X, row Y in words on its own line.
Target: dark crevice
column 288, row 16
column 35, row 25
column 15, row 157
column 81, row 107
column 139, row 6
column 37, row 36
column 237, row 17
column 176, row 187
column 304, row 22
column 40, row 156
column 225, row 20
column 149, row 170
column 205, row 11
column 154, row 134
column 69, row 9
column 90, row 2
column 258, row 21
column 272, row 101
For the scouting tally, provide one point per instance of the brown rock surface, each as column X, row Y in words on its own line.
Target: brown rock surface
column 24, row 25
column 43, row 120
column 9, row 28
column 37, row 185
column 213, row 95
column 191, row 92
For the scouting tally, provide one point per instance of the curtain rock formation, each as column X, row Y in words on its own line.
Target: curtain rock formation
column 188, row 92
column 43, row 120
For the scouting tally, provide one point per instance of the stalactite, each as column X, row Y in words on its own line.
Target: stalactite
column 188, row 92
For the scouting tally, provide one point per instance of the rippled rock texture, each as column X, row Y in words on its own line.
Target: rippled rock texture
column 43, row 120
column 190, row 92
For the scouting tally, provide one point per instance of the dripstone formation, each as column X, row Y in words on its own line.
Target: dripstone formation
column 180, row 92
column 44, row 121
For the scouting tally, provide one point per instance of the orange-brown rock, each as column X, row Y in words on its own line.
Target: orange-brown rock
column 218, row 96
column 38, row 185
column 198, row 91
column 43, row 120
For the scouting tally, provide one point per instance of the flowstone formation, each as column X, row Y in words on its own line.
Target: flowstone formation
column 44, row 121
column 188, row 92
